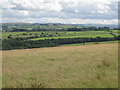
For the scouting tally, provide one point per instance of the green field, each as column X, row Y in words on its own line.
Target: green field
column 89, row 43
column 60, row 34
column 89, row 66
column 90, row 36
column 6, row 34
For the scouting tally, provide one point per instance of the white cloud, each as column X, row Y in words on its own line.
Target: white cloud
column 65, row 11
column 24, row 12
column 65, row 21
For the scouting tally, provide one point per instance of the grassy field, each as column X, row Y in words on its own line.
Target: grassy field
column 89, row 66
column 89, row 43
column 60, row 34
column 90, row 36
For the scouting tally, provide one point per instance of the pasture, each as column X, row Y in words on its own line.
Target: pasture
column 89, row 66
column 59, row 34
column 89, row 43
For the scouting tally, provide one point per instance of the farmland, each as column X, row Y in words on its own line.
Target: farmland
column 38, row 39
column 59, row 56
column 25, row 36
column 59, row 34
column 48, row 31
column 90, row 66
column 89, row 43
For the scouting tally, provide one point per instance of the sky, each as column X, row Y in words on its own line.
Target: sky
column 60, row 11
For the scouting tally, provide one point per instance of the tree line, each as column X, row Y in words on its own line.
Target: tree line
column 62, row 29
column 20, row 43
column 48, row 27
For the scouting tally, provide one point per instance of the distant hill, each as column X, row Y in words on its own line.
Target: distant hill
column 81, row 25
column 98, row 25
column 50, row 26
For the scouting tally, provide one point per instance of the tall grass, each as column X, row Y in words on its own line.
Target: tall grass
column 90, row 66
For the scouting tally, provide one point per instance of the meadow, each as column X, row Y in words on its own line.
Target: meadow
column 89, row 43
column 59, row 34
column 89, row 66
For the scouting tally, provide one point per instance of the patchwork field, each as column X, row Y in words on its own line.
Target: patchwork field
column 59, row 34
column 89, row 66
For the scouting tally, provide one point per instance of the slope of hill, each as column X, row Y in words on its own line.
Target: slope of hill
column 90, row 66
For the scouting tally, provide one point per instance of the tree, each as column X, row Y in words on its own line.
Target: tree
column 10, row 36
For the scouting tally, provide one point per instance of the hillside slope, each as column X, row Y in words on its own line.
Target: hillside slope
column 90, row 66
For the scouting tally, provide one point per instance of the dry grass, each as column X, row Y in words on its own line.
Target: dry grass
column 90, row 66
